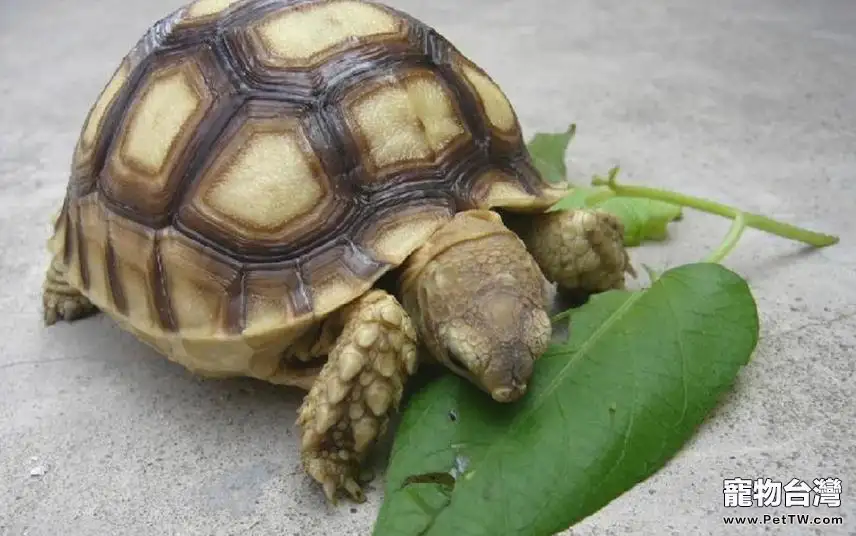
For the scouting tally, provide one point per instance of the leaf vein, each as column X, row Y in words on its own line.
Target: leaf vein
column 683, row 361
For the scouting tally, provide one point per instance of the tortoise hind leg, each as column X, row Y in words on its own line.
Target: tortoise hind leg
column 60, row 300
column 361, row 383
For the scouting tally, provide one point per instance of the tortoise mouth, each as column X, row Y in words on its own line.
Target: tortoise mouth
column 458, row 365
column 503, row 393
column 509, row 394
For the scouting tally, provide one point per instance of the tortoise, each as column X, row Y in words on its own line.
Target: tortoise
column 319, row 194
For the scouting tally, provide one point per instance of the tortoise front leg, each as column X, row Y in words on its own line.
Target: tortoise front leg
column 361, row 383
column 580, row 250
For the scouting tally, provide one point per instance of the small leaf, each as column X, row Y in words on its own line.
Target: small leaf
column 604, row 411
column 581, row 197
column 643, row 219
column 548, row 153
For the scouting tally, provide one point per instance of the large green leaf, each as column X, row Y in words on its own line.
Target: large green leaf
column 548, row 153
column 607, row 409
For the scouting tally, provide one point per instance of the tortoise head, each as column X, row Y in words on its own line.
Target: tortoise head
column 495, row 340
column 480, row 303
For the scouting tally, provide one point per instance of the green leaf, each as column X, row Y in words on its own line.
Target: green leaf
column 643, row 219
column 581, row 197
column 604, row 411
column 548, row 153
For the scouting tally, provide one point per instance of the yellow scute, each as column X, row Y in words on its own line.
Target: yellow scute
column 496, row 105
column 196, row 285
column 204, row 8
column 398, row 238
column 93, row 122
column 433, row 108
column 407, row 120
column 296, row 35
column 329, row 295
column 158, row 119
column 269, row 183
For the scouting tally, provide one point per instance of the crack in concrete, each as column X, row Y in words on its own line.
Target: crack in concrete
column 40, row 361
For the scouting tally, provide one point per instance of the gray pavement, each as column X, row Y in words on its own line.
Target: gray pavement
column 751, row 103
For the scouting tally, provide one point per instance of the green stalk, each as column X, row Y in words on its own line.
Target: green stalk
column 560, row 316
column 730, row 239
column 756, row 221
column 599, row 197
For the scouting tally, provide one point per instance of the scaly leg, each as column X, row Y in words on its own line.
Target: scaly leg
column 580, row 250
column 361, row 383
column 60, row 300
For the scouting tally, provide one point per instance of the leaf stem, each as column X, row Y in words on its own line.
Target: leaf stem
column 730, row 239
column 756, row 221
column 560, row 316
column 599, row 197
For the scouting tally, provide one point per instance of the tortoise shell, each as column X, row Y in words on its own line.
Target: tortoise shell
column 253, row 165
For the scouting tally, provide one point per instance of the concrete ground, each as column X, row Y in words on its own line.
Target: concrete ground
column 749, row 103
